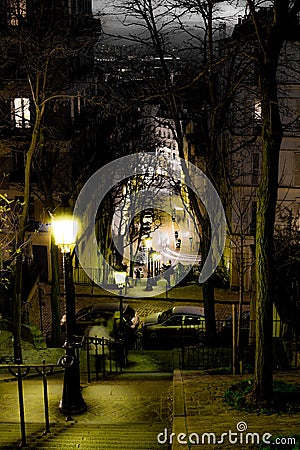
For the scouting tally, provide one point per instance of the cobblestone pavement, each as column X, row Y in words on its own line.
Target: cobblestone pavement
column 124, row 398
column 88, row 295
column 204, row 410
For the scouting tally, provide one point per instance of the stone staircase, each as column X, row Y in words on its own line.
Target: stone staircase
column 88, row 436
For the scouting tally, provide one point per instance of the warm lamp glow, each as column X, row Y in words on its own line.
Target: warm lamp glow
column 148, row 242
column 155, row 256
column 120, row 278
column 65, row 231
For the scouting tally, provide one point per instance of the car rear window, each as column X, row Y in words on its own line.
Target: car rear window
column 130, row 311
column 104, row 308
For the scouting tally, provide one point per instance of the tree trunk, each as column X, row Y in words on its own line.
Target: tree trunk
column 208, row 286
column 17, row 310
column 266, row 207
column 17, row 294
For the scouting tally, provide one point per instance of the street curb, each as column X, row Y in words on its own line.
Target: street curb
column 179, row 410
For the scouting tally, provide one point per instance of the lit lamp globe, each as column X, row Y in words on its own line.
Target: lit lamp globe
column 148, row 242
column 120, row 278
column 65, row 229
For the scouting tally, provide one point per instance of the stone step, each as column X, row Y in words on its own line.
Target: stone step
column 90, row 436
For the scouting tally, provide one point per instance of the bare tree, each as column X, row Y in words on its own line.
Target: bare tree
column 269, row 31
column 46, row 47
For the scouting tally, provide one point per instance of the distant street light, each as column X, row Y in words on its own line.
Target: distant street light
column 148, row 243
column 155, row 256
column 120, row 279
column 65, row 229
column 191, row 244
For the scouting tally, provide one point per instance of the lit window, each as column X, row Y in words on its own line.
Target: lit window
column 257, row 111
column 21, row 112
column 17, row 11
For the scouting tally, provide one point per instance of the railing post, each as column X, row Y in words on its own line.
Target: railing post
column 96, row 358
column 20, row 371
column 88, row 362
column 103, row 356
column 19, row 375
column 234, row 355
column 21, row 406
column 43, row 372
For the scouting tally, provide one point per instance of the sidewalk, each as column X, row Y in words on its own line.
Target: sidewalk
column 188, row 292
column 199, row 408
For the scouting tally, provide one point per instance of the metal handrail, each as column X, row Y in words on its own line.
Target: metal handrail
column 104, row 349
column 20, row 371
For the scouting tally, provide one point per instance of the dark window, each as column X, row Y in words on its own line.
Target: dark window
column 17, row 12
column 173, row 321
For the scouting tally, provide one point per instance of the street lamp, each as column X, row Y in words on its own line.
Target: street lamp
column 155, row 256
column 120, row 279
column 191, row 244
column 148, row 243
column 64, row 229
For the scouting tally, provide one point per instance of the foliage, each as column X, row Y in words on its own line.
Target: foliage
column 285, row 398
column 9, row 221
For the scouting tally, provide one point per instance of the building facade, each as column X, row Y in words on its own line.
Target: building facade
column 46, row 75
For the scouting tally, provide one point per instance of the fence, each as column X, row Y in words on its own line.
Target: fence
column 201, row 355
column 102, row 356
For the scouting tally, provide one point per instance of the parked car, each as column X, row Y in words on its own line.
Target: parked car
column 102, row 314
column 175, row 327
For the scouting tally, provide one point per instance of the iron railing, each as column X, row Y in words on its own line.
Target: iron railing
column 103, row 356
column 20, row 371
column 203, row 355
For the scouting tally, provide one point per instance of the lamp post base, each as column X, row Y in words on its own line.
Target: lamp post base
column 72, row 401
column 72, row 409
column 148, row 287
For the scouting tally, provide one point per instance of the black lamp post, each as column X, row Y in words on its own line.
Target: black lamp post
column 120, row 278
column 72, row 402
column 148, row 243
